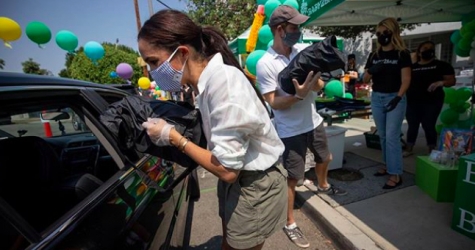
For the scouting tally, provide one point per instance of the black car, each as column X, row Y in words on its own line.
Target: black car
column 67, row 189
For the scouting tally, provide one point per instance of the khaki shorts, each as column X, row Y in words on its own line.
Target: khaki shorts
column 253, row 207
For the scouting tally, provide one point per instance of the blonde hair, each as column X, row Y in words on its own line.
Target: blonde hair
column 392, row 25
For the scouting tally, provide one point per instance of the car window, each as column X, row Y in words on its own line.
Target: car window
column 35, row 124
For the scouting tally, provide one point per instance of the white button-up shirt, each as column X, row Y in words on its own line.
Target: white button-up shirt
column 235, row 122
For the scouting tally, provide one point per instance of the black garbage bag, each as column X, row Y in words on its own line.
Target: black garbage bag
column 319, row 57
column 124, row 120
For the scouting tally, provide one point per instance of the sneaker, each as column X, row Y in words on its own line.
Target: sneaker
column 332, row 190
column 297, row 237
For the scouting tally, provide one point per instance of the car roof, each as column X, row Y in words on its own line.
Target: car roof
column 9, row 79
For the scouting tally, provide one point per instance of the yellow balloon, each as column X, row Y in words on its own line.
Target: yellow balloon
column 9, row 30
column 144, row 82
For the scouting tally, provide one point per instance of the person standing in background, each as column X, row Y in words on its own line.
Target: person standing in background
column 351, row 75
column 425, row 96
column 389, row 67
column 187, row 94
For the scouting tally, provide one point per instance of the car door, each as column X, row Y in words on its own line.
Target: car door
column 143, row 203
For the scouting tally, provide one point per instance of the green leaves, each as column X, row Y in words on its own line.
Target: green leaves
column 232, row 17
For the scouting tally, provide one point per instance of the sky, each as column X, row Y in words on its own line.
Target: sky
column 89, row 20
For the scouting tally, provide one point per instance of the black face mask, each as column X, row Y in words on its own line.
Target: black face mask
column 384, row 39
column 428, row 54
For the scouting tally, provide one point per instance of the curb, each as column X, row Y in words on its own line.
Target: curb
column 341, row 230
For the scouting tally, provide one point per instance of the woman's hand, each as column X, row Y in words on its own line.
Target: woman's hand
column 435, row 85
column 158, row 130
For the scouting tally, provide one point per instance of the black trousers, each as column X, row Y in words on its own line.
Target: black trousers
column 425, row 114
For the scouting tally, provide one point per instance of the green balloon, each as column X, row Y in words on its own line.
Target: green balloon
column 38, row 32
column 292, row 3
column 450, row 95
column 270, row 44
column 334, row 88
column 265, row 34
column 67, row 40
column 462, row 53
column 261, row 2
column 449, row 116
column 252, row 59
column 466, row 42
column 463, row 94
column 348, row 95
column 455, row 37
column 270, row 6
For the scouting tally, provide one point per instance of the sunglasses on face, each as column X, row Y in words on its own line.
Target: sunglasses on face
column 386, row 32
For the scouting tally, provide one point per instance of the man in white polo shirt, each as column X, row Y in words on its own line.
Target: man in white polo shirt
column 298, row 124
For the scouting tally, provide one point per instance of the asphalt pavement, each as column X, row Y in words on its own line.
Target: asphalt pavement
column 206, row 227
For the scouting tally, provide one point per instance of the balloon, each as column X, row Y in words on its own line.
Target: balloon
column 94, row 51
column 113, row 74
column 124, row 70
column 252, row 59
column 292, row 3
column 463, row 94
column 450, row 95
column 348, row 95
column 334, row 88
column 462, row 53
column 38, row 33
column 265, row 34
column 270, row 6
column 261, row 2
column 67, row 40
column 465, row 43
column 455, row 37
column 144, row 82
column 270, row 44
column 9, row 30
column 449, row 116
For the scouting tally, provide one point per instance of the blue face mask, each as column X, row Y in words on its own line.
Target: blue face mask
column 166, row 77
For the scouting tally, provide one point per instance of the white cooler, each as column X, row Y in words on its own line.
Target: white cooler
column 336, row 145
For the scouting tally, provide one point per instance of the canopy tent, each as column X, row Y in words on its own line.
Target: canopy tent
column 370, row 12
column 238, row 45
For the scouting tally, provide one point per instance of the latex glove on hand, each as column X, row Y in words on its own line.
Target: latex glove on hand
column 435, row 85
column 393, row 103
column 158, row 130
column 311, row 81
column 376, row 68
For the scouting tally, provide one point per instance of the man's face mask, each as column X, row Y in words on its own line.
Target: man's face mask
column 291, row 38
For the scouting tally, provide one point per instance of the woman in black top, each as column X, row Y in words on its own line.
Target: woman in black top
column 390, row 70
column 425, row 96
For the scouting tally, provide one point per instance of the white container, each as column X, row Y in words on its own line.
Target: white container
column 336, row 145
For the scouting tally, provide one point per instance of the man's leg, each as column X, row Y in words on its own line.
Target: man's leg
column 317, row 143
column 294, row 163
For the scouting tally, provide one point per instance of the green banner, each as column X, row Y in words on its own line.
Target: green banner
column 316, row 8
column 463, row 218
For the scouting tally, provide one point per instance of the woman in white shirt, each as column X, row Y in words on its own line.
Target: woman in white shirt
column 243, row 146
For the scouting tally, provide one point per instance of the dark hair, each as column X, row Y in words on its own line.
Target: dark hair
column 168, row 29
column 418, row 51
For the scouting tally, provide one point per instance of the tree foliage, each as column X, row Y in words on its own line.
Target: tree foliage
column 232, row 17
column 32, row 67
column 2, row 63
column 352, row 31
column 80, row 67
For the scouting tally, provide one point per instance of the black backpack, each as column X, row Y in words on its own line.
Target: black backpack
column 320, row 57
